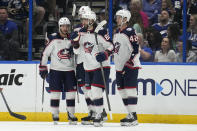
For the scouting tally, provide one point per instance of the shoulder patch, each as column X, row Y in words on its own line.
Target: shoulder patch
column 129, row 29
column 53, row 34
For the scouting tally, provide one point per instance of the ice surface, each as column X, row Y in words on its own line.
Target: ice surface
column 63, row 126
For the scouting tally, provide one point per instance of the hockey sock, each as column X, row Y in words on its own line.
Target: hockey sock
column 70, row 102
column 55, row 100
column 97, row 94
column 88, row 100
column 123, row 94
column 132, row 99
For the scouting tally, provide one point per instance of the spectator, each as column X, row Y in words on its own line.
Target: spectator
column 167, row 5
column 163, row 24
column 136, row 10
column 177, row 4
column 152, row 8
column 101, row 16
column 173, row 33
column 19, row 12
column 38, row 14
column 192, row 32
column 122, row 4
column 190, row 55
column 154, row 38
column 51, row 9
column 146, row 54
column 166, row 54
column 18, row 9
column 192, row 6
column 191, row 10
column 4, row 3
column 8, row 37
column 136, row 22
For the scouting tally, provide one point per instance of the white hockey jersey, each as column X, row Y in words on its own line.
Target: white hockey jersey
column 89, row 49
column 79, row 58
column 126, row 43
column 60, row 51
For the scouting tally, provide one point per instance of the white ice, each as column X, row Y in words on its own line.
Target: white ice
column 62, row 126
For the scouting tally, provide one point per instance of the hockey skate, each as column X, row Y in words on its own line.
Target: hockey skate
column 104, row 115
column 98, row 120
column 72, row 119
column 130, row 120
column 55, row 118
column 88, row 120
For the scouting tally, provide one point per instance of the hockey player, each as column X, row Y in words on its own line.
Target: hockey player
column 84, row 42
column 62, row 75
column 126, row 59
column 82, row 10
column 80, row 72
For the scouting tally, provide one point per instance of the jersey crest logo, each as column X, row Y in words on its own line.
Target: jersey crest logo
column 117, row 47
column 63, row 54
column 88, row 47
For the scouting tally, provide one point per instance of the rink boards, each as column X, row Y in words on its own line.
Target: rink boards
column 167, row 94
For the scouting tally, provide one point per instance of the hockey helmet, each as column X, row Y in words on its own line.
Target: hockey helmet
column 83, row 9
column 124, row 14
column 63, row 21
column 90, row 15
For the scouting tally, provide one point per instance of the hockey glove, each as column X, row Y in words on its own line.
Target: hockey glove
column 75, row 37
column 43, row 71
column 102, row 56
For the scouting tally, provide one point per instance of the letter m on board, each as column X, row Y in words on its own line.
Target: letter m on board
column 145, row 83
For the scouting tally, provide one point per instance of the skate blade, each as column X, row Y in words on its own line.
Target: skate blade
column 72, row 122
column 98, row 124
column 134, row 123
column 86, row 122
column 55, row 123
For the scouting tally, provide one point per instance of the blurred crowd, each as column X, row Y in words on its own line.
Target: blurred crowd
column 159, row 27
column 158, row 24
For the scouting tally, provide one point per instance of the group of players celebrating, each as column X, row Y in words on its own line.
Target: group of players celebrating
column 90, row 52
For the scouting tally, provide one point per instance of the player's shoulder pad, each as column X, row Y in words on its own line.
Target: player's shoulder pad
column 102, row 31
column 83, row 30
column 129, row 31
column 78, row 26
column 105, row 34
column 52, row 36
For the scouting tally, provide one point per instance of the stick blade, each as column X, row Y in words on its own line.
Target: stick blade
column 74, row 10
column 19, row 116
column 100, row 25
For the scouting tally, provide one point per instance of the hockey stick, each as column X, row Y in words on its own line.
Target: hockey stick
column 73, row 16
column 43, row 86
column 19, row 116
column 99, row 27
column 72, row 28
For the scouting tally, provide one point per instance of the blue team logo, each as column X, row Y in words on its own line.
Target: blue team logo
column 63, row 54
column 88, row 47
column 117, row 47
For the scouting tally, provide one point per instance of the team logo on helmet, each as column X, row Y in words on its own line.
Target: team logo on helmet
column 88, row 47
